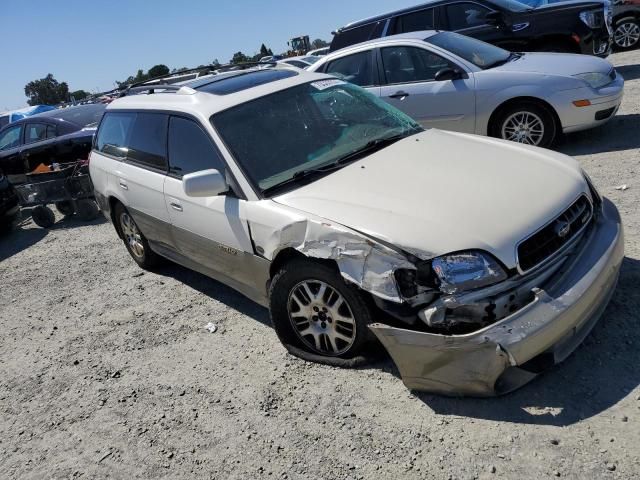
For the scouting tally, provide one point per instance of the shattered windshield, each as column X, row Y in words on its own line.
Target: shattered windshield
column 313, row 126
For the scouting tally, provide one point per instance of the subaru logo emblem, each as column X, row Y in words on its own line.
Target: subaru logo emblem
column 562, row 228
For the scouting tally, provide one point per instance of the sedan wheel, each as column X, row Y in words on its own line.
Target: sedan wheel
column 523, row 127
column 627, row 33
column 132, row 236
column 321, row 318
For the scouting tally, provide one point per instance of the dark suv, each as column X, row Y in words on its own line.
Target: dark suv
column 574, row 27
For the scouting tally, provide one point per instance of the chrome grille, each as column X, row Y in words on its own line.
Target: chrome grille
column 547, row 241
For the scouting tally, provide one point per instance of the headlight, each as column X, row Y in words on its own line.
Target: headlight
column 466, row 271
column 595, row 79
column 591, row 18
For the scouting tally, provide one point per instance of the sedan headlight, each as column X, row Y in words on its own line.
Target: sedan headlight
column 595, row 79
column 467, row 271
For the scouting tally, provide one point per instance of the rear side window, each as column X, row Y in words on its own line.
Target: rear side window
column 147, row 143
column 356, row 68
column 415, row 21
column 114, row 133
column 465, row 15
column 36, row 132
column 357, row 35
column 191, row 149
column 10, row 138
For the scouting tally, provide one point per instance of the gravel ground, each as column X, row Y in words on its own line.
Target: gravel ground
column 106, row 371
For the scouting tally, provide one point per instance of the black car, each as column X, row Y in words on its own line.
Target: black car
column 57, row 136
column 574, row 27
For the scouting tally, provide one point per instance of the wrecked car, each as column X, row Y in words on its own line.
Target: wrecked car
column 477, row 263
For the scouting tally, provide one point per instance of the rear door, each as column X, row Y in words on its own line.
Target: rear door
column 10, row 160
column 409, row 84
column 39, row 144
column 133, row 147
column 209, row 231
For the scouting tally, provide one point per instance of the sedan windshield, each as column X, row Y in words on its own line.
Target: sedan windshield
column 481, row 54
column 308, row 131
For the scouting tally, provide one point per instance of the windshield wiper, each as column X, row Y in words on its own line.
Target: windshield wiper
column 512, row 56
column 367, row 148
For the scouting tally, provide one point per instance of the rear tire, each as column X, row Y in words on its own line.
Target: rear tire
column 43, row 216
column 87, row 209
column 317, row 316
column 525, row 122
column 65, row 207
column 626, row 33
column 135, row 242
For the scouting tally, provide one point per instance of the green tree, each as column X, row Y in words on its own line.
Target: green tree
column 158, row 71
column 239, row 57
column 318, row 43
column 264, row 51
column 78, row 95
column 46, row 91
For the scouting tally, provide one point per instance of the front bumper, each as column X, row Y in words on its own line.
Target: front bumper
column 607, row 102
column 506, row 355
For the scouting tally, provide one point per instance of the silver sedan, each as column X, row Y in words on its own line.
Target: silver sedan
column 453, row 82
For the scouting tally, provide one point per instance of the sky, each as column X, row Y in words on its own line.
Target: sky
column 91, row 43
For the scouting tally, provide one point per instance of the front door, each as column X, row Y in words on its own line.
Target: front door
column 209, row 231
column 409, row 84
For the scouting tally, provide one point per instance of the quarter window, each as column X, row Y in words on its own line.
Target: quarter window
column 10, row 138
column 114, row 133
column 466, row 15
column 411, row 64
column 356, row 68
column 147, row 141
column 415, row 21
column 190, row 148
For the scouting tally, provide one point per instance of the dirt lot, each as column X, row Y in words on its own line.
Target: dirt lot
column 106, row 371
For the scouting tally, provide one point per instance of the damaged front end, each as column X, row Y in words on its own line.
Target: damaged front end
column 493, row 340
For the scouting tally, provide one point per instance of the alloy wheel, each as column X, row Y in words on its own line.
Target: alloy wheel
column 132, row 235
column 523, row 127
column 321, row 317
column 627, row 34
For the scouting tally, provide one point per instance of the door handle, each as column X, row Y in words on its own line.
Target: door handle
column 401, row 95
column 176, row 206
column 123, row 185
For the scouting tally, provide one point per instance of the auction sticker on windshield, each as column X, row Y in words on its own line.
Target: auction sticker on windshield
column 324, row 84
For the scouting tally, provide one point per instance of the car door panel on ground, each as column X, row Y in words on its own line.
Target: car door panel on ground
column 408, row 83
column 210, row 231
column 135, row 144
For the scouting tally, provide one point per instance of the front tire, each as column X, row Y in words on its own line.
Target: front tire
column 317, row 316
column 136, row 243
column 626, row 33
column 527, row 123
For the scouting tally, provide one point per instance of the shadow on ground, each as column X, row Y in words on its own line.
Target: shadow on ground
column 599, row 374
column 621, row 133
column 629, row 72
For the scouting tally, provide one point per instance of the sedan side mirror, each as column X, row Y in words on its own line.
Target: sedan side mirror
column 206, row 183
column 448, row 74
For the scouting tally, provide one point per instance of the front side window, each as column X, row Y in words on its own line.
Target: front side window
column 481, row 54
column 356, row 68
column 319, row 125
column 466, row 15
column 10, row 138
column 411, row 64
column 114, row 133
column 35, row 132
column 147, row 141
column 415, row 21
column 191, row 149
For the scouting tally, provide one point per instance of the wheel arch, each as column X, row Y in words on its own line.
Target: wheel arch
column 113, row 202
column 522, row 99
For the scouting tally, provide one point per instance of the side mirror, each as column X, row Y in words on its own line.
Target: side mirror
column 495, row 18
column 448, row 74
column 207, row 183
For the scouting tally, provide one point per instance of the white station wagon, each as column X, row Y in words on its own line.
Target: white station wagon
column 475, row 262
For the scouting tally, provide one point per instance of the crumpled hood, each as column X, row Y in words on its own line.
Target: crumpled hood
column 556, row 64
column 439, row 192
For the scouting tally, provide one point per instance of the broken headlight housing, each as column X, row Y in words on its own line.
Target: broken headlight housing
column 458, row 272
